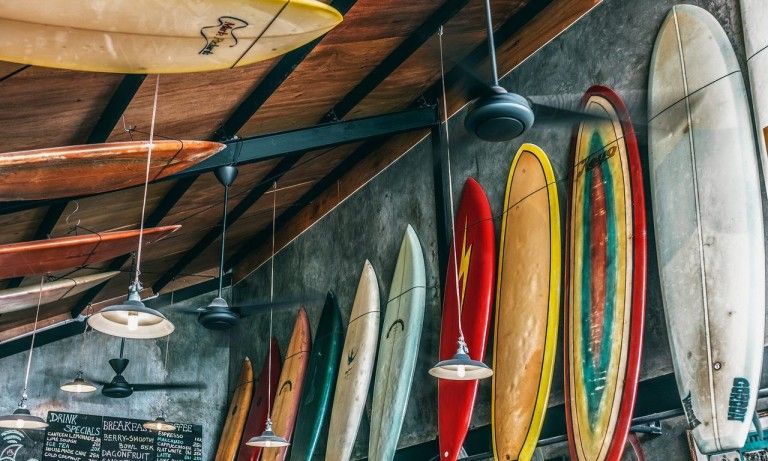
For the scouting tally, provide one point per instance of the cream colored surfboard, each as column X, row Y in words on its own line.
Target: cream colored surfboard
column 754, row 18
column 356, row 368
column 157, row 36
column 16, row 299
column 708, row 219
column 527, row 305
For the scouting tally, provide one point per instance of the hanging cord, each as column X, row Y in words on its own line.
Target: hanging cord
column 146, row 181
column 82, row 345
column 271, row 297
column 450, row 188
column 24, row 396
column 491, row 44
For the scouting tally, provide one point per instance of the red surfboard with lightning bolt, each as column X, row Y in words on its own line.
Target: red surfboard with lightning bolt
column 475, row 246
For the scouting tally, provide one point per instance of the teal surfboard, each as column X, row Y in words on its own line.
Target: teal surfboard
column 320, row 381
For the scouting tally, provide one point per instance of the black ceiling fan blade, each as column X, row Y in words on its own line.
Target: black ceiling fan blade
column 560, row 115
column 144, row 387
column 250, row 309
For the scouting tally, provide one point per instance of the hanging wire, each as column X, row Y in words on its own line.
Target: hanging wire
column 271, row 297
column 88, row 311
column 450, row 186
column 32, row 343
column 146, row 180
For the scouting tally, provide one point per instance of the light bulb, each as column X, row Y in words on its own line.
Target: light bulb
column 268, row 444
column 19, row 423
column 133, row 321
column 461, row 371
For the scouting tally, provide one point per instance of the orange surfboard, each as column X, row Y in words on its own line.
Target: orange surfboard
column 94, row 168
column 289, row 388
column 43, row 256
column 238, row 412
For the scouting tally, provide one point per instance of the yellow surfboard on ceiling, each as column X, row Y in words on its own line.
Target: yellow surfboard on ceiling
column 157, row 36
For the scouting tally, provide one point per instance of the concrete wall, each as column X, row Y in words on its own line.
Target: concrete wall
column 611, row 46
column 195, row 355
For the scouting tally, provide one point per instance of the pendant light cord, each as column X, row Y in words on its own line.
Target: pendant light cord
column 32, row 343
column 223, row 241
column 271, row 297
column 146, row 181
column 450, row 186
column 491, row 43
column 82, row 345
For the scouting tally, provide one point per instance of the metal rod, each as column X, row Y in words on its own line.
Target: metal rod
column 223, row 240
column 491, row 43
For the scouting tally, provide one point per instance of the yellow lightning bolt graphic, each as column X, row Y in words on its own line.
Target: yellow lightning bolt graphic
column 466, row 254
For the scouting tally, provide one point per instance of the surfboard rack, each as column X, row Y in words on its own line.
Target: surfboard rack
column 653, row 428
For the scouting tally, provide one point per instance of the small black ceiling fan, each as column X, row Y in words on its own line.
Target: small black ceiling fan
column 498, row 115
column 119, row 387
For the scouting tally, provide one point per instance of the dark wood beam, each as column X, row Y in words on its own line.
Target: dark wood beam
column 396, row 58
column 121, row 98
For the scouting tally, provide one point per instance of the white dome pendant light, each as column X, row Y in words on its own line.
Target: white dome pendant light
column 132, row 319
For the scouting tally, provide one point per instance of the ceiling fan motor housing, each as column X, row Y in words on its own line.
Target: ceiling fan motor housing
column 218, row 316
column 499, row 117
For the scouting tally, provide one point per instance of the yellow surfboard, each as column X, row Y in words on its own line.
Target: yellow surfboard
column 527, row 305
column 157, row 36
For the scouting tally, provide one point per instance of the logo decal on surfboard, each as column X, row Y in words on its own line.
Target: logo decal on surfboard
column 463, row 272
column 396, row 322
column 216, row 35
column 351, row 356
column 287, row 383
column 689, row 415
column 739, row 400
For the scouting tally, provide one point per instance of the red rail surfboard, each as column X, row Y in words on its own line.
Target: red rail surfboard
column 475, row 246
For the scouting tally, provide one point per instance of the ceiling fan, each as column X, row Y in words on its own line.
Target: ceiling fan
column 499, row 115
column 119, row 387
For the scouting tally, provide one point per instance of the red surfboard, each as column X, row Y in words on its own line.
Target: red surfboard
column 43, row 256
column 605, row 276
column 475, row 246
column 262, row 393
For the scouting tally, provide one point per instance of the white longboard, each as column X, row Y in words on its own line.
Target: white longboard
column 25, row 297
column 398, row 349
column 356, row 369
column 754, row 18
column 157, row 36
column 709, row 225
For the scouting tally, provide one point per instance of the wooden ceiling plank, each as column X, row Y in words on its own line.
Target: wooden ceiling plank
column 270, row 83
column 414, row 41
column 538, row 23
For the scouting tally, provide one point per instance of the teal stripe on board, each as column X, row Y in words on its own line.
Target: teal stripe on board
column 595, row 373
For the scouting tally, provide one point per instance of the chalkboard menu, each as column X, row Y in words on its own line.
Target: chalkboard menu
column 76, row 437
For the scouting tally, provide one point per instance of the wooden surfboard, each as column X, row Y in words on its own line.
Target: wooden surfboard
column 475, row 244
column 289, row 388
column 605, row 280
column 263, row 395
column 398, row 348
column 238, row 411
column 527, row 305
column 43, row 256
column 93, row 168
column 708, row 224
column 316, row 398
column 16, row 299
column 356, row 368
column 158, row 36
column 754, row 17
